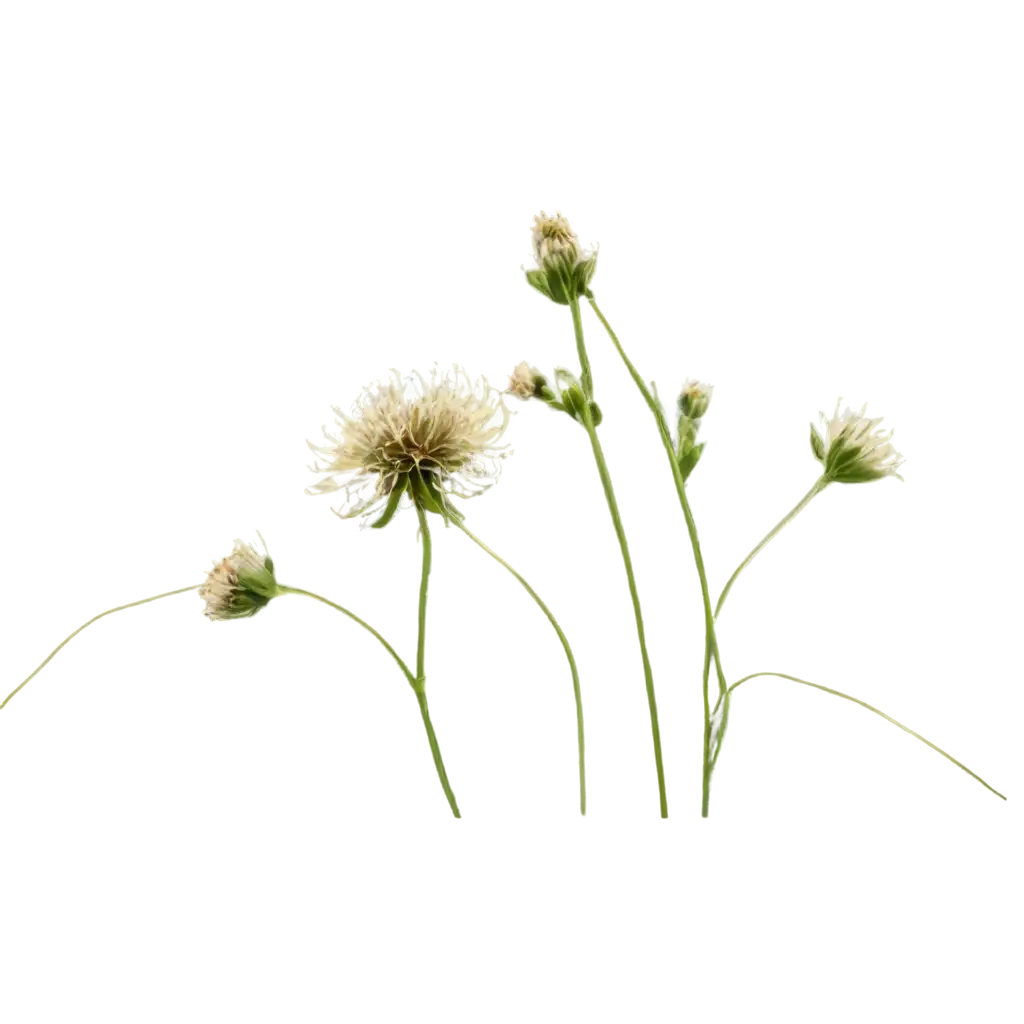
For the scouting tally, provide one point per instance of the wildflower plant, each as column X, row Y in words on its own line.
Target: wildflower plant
column 563, row 273
column 849, row 448
column 422, row 442
column 429, row 442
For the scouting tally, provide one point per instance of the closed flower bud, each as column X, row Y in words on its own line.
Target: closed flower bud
column 554, row 241
column 526, row 382
column 521, row 381
column 694, row 399
column 564, row 268
column 573, row 402
column 240, row 585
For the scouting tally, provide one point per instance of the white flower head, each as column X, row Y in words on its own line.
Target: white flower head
column 425, row 438
column 240, row 585
column 852, row 450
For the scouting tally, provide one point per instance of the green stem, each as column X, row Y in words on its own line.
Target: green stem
column 565, row 645
column 415, row 681
column 620, row 533
column 95, row 618
column 421, row 638
column 711, row 639
column 355, row 618
column 882, row 714
column 820, row 484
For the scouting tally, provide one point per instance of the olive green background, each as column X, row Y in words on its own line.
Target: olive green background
column 205, row 221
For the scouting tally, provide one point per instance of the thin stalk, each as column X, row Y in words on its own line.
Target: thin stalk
column 815, row 491
column 421, row 637
column 355, row 618
column 620, row 533
column 565, row 645
column 711, row 640
column 820, row 484
column 414, row 681
column 882, row 714
column 95, row 618
column 420, row 684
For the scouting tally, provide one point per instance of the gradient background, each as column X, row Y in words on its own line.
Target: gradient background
column 216, row 220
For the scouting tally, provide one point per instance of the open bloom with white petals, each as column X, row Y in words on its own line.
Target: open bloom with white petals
column 426, row 438
column 554, row 239
column 852, row 450
column 240, row 585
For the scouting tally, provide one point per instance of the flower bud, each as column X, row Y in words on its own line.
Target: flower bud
column 564, row 269
column 526, row 382
column 852, row 450
column 240, row 585
column 574, row 402
column 694, row 399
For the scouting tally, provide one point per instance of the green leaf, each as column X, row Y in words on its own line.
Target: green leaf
column 817, row 445
column 539, row 280
column 689, row 459
column 574, row 402
column 584, row 273
column 392, row 506
column 427, row 492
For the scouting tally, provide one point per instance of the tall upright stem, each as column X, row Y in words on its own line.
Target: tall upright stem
column 711, row 639
column 620, row 533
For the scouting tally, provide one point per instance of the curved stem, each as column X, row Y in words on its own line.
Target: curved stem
column 95, row 618
column 820, row 484
column 355, row 618
column 412, row 680
column 565, row 645
column 620, row 533
column 881, row 714
column 711, row 639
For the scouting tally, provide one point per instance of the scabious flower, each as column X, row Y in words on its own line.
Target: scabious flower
column 240, row 585
column 852, row 450
column 525, row 382
column 564, row 268
column 427, row 439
